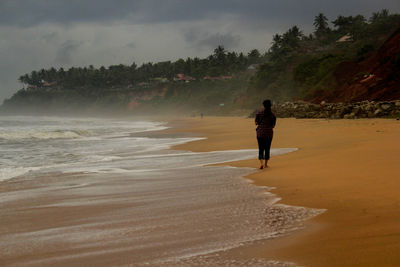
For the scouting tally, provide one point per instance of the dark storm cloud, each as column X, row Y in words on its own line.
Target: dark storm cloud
column 227, row 40
column 207, row 41
column 50, row 36
column 33, row 12
column 66, row 51
column 131, row 45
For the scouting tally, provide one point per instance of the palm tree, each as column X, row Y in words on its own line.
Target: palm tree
column 384, row 13
column 291, row 38
column 321, row 25
column 254, row 56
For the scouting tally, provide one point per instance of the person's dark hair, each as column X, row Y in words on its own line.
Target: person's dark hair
column 267, row 105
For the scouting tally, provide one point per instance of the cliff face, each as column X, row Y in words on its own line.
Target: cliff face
column 376, row 78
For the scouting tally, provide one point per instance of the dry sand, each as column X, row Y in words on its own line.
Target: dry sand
column 349, row 167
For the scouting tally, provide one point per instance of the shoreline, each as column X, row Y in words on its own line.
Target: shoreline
column 73, row 216
column 348, row 167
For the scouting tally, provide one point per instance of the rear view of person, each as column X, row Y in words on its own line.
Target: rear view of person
column 265, row 121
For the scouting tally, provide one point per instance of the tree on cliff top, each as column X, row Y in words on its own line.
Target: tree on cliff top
column 321, row 25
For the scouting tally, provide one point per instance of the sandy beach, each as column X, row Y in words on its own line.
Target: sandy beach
column 348, row 167
column 96, row 192
column 117, row 212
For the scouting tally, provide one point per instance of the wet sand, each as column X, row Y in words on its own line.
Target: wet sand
column 155, row 207
column 349, row 167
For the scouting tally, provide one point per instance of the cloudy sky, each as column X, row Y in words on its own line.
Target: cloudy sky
column 36, row 34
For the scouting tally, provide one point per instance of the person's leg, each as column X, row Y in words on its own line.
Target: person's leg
column 261, row 149
column 268, row 142
column 261, row 164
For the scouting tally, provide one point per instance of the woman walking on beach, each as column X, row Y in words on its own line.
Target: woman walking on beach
column 265, row 121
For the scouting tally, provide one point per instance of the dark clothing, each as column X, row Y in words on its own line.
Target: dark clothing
column 265, row 125
column 264, row 146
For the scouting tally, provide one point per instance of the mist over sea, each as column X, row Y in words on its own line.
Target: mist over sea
column 106, row 191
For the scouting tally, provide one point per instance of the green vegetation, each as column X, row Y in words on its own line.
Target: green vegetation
column 298, row 64
column 221, row 62
column 293, row 67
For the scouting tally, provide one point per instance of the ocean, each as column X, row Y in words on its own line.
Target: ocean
column 106, row 192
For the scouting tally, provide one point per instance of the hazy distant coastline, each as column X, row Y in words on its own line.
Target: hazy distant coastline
column 357, row 60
